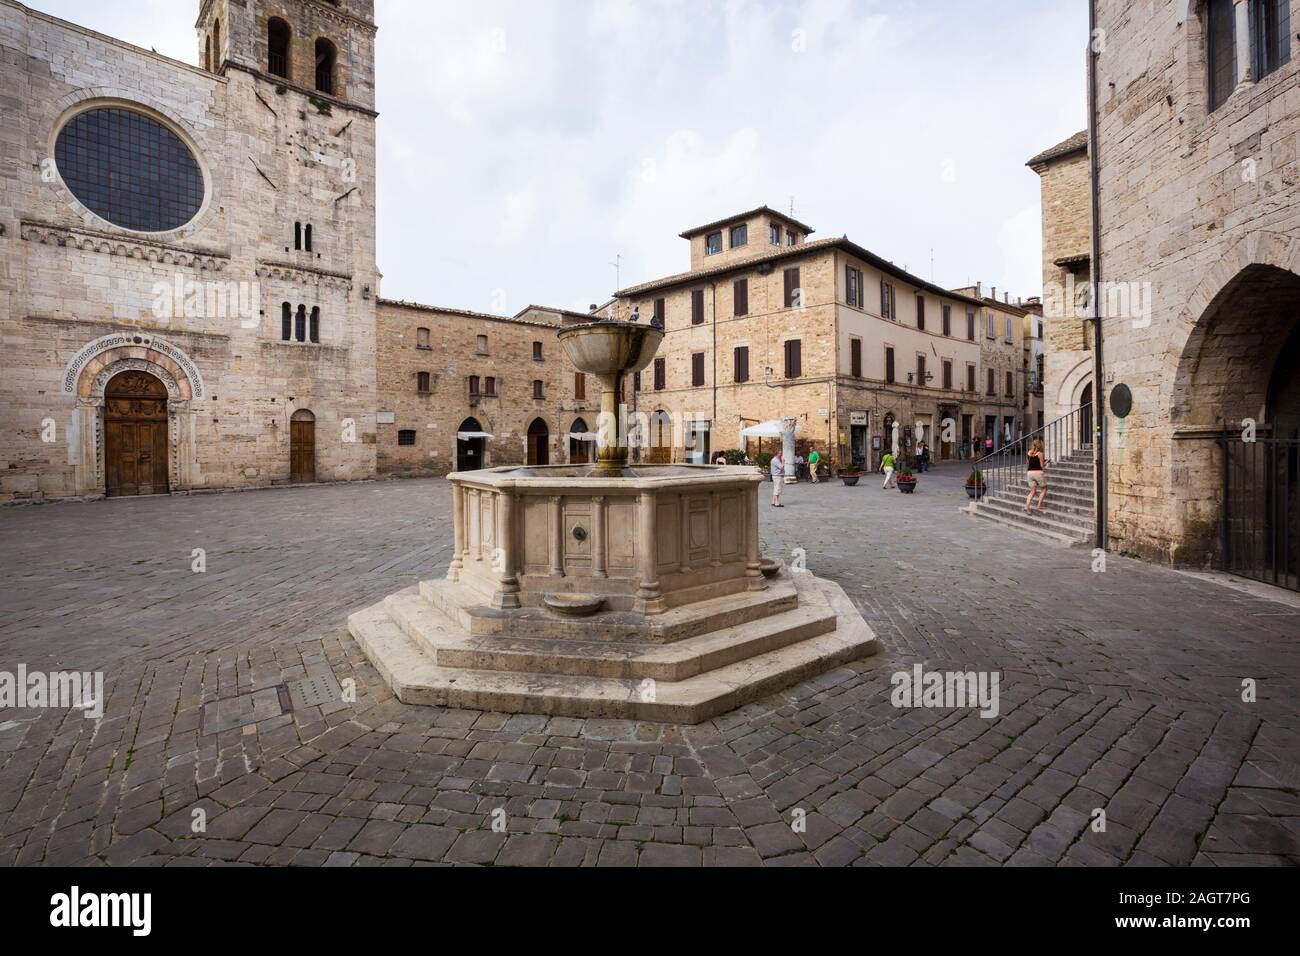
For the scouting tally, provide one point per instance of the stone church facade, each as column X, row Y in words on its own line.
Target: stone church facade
column 221, row 334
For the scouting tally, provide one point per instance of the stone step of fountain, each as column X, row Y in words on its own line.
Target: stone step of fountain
column 450, row 646
column 465, row 606
column 416, row 678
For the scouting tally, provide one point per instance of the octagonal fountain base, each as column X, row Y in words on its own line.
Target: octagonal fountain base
column 641, row 596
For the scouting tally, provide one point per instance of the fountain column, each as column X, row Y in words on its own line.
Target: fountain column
column 458, row 524
column 753, row 560
column 507, row 591
column 649, row 598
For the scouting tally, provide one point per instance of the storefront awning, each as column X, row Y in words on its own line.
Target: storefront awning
column 470, row 436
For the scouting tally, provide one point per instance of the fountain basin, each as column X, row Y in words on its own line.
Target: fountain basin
column 645, row 540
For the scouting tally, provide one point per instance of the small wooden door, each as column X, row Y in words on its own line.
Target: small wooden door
column 135, row 431
column 539, row 443
column 302, row 448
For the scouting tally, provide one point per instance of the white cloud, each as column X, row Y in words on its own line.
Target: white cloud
column 514, row 135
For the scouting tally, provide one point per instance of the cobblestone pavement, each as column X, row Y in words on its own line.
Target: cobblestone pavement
column 1120, row 691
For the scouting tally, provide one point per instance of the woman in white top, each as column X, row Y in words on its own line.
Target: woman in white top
column 778, row 479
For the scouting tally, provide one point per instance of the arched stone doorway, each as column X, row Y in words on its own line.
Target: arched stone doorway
column 135, row 435
column 302, row 448
column 539, row 443
column 581, row 451
column 661, row 438
column 471, row 453
column 1238, row 377
column 1086, row 419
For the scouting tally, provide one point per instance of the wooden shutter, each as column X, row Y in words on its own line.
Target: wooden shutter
column 947, row 375
column 697, row 307
column 697, row 370
column 970, row 378
column 742, row 364
column 920, row 312
column 661, row 375
column 791, row 285
column 992, row 388
column 741, row 293
column 889, row 365
column 855, row 358
column 660, row 310
column 793, row 359
column 920, row 370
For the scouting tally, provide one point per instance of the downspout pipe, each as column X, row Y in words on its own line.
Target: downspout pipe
column 1098, row 356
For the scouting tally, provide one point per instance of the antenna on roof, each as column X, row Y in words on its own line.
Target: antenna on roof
column 618, row 271
column 932, row 263
column 791, row 207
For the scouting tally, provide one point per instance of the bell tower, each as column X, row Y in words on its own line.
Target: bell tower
column 324, row 47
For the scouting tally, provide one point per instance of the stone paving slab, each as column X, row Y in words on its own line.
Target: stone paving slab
column 1120, row 691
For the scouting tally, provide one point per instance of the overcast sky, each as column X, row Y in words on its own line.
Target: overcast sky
column 524, row 145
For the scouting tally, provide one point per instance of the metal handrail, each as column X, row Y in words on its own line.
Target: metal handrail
column 1061, row 439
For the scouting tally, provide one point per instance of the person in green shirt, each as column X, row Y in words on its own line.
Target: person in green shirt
column 813, row 460
column 887, row 466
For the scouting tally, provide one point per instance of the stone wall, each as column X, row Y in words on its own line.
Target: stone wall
column 454, row 353
column 1202, row 207
column 68, row 278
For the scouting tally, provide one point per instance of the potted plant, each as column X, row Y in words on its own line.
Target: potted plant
column 976, row 487
column 906, row 480
column 850, row 476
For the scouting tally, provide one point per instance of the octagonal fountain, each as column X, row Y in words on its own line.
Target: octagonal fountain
column 610, row 590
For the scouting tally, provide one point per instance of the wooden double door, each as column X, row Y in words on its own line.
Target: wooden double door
column 135, row 433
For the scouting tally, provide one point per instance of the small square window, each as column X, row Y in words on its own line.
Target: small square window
column 482, row 345
column 713, row 244
column 406, row 437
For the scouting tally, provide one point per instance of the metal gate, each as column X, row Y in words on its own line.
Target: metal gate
column 1260, row 533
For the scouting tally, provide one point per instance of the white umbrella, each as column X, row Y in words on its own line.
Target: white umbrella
column 765, row 430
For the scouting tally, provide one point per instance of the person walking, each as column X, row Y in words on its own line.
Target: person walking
column 778, row 479
column 1036, row 467
column 813, row 461
column 887, row 466
column 922, row 457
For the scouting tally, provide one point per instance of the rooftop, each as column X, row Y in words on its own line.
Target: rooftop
column 760, row 211
column 1078, row 143
column 785, row 253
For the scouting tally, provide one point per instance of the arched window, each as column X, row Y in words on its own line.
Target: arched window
column 216, row 46
column 307, row 237
column 300, row 326
column 286, row 322
column 315, row 324
column 326, row 58
column 277, row 43
column 207, row 53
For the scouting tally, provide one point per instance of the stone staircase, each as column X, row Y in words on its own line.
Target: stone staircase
column 1068, row 515
column 437, row 645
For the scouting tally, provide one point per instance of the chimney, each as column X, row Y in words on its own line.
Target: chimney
column 994, row 295
column 1007, row 297
column 979, row 290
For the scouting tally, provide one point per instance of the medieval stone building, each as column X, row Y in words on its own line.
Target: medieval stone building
column 1197, row 124
column 187, row 254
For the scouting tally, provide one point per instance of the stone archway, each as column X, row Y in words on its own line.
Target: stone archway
column 539, row 443
column 1233, row 360
column 86, row 379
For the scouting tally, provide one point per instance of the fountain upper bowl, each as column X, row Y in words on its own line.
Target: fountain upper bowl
column 607, row 348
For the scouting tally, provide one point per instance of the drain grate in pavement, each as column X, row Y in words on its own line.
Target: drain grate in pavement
column 314, row 691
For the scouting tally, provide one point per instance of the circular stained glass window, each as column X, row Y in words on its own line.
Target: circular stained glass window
column 130, row 170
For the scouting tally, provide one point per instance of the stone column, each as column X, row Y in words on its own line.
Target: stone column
column 507, row 591
column 753, row 560
column 557, row 536
column 598, row 516
column 649, row 598
column 715, row 528
column 458, row 524
column 1242, row 13
column 475, row 521
column 684, row 523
